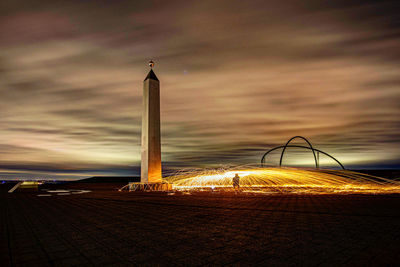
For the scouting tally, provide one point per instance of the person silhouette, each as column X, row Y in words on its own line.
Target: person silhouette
column 236, row 181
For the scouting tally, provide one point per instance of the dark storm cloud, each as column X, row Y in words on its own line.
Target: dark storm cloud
column 237, row 78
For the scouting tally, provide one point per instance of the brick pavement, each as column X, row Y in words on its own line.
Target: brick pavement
column 121, row 228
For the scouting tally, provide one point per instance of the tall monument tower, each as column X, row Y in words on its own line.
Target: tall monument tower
column 151, row 140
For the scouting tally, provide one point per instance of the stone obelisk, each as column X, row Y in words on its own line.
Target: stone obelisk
column 151, row 137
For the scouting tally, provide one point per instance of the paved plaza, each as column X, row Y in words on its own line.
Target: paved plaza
column 107, row 227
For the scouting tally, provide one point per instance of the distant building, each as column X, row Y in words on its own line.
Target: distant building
column 26, row 186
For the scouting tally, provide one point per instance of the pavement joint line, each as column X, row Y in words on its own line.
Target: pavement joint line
column 63, row 239
column 29, row 223
column 97, row 241
column 205, row 231
column 249, row 209
column 76, row 204
column 7, row 218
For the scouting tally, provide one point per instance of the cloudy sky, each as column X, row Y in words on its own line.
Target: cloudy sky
column 237, row 78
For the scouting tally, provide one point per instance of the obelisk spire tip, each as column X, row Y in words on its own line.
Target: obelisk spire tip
column 151, row 63
column 151, row 74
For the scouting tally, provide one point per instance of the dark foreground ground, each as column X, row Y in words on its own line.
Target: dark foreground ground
column 106, row 227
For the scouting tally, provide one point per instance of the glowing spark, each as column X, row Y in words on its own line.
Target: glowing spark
column 288, row 180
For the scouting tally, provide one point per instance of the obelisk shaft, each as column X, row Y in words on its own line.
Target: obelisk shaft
column 151, row 140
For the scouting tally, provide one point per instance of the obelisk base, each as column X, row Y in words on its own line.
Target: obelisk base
column 161, row 186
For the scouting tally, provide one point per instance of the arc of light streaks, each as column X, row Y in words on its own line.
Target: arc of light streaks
column 284, row 180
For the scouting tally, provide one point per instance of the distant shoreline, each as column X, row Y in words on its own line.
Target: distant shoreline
column 384, row 173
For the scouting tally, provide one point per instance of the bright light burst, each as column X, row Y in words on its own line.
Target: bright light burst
column 285, row 180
